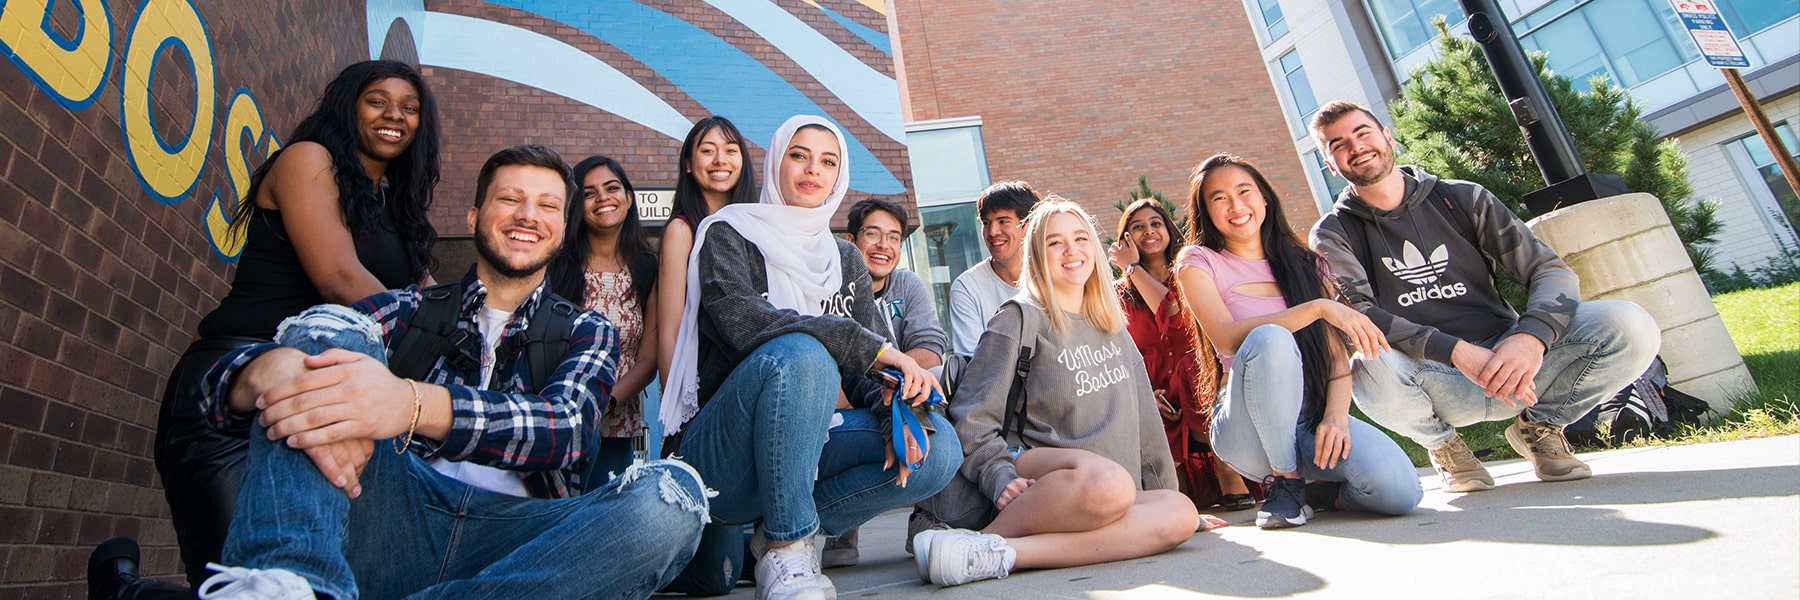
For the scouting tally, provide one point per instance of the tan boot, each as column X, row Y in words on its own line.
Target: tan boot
column 1461, row 471
column 1544, row 445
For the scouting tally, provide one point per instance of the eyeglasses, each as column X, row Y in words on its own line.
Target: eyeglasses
column 870, row 235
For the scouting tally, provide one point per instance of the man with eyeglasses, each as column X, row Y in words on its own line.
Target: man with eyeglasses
column 877, row 227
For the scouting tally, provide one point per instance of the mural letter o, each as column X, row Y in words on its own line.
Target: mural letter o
column 168, row 171
column 71, row 70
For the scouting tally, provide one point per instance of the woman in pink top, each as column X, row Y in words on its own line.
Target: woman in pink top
column 1264, row 300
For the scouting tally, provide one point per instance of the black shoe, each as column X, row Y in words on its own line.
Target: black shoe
column 112, row 566
column 1236, row 502
column 1323, row 495
column 1285, row 506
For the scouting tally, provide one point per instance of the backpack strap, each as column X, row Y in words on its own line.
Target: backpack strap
column 547, row 338
column 1016, row 408
column 433, row 334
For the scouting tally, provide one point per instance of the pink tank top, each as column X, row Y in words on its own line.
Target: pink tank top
column 1229, row 271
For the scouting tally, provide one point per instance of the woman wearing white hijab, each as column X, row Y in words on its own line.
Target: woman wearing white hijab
column 775, row 346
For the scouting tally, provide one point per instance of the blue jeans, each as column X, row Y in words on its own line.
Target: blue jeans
column 760, row 441
column 1607, row 345
column 1256, row 429
column 416, row 532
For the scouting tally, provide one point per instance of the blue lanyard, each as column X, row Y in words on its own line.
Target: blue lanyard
column 904, row 421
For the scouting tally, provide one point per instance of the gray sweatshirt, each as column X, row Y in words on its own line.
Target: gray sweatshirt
column 736, row 317
column 1421, row 272
column 1087, row 390
column 911, row 317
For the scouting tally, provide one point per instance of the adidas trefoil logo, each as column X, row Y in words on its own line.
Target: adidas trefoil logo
column 1414, row 268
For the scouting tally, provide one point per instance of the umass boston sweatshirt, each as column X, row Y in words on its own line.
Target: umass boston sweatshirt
column 1421, row 272
column 1087, row 389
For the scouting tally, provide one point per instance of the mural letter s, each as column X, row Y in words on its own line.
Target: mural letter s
column 243, row 123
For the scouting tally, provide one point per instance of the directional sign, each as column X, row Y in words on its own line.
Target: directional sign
column 1701, row 17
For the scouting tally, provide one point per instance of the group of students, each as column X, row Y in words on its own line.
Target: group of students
column 347, row 426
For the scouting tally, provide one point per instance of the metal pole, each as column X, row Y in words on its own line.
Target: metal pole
column 1551, row 145
column 1783, row 158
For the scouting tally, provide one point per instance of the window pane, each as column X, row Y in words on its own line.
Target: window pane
column 947, row 164
column 1407, row 23
column 1745, row 17
column 949, row 238
column 1759, row 149
column 1634, row 39
column 1272, row 19
column 1298, row 86
column 1334, row 185
column 1573, row 50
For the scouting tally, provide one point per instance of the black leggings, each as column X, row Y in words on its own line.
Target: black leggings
column 201, row 468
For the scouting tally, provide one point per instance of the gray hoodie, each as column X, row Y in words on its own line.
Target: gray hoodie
column 1087, row 390
column 1422, row 271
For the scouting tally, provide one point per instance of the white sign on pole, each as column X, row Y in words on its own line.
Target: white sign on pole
column 1702, row 20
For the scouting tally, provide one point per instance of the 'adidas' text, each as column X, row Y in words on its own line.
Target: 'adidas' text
column 1435, row 292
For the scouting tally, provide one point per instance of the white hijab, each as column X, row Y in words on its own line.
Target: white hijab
column 799, row 253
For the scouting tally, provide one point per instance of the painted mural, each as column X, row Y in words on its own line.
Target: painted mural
column 712, row 71
column 715, row 72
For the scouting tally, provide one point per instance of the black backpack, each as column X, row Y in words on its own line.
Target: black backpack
column 433, row 334
column 1646, row 407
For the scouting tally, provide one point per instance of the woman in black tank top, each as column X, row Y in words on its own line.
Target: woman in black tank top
column 336, row 216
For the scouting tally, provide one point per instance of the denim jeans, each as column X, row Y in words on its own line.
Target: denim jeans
column 1607, row 345
column 416, row 532
column 1256, row 429
column 761, row 442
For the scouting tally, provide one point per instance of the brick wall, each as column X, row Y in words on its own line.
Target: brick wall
column 102, row 283
column 1081, row 99
column 106, row 259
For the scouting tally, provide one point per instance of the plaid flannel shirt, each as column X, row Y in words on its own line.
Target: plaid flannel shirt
column 543, row 435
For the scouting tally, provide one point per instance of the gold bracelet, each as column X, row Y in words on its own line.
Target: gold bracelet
column 418, row 406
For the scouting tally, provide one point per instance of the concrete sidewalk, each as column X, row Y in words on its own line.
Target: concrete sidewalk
column 1702, row 521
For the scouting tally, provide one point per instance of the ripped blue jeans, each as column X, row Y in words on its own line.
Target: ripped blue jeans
column 417, row 533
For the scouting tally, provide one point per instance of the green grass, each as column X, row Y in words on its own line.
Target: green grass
column 1765, row 324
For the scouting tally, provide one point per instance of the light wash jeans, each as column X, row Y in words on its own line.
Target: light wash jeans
column 1256, row 429
column 417, row 533
column 760, row 441
column 1607, row 345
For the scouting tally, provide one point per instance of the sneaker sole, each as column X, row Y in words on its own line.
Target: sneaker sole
column 833, row 559
column 1472, row 485
column 1582, row 471
column 1269, row 521
column 921, row 560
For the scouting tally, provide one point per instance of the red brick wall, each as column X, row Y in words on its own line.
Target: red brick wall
column 1079, row 99
column 101, row 285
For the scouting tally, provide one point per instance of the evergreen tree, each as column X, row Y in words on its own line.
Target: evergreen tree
column 1455, row 123
column 1143, row 191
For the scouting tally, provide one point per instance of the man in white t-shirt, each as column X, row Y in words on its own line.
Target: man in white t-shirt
column 980, row 291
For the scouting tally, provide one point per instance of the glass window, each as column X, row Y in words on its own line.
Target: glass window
column 947, row 242
column 1273, row 22
column 1406, row 24
column 1764, row 160
column 1334, row 185
column 947, row 163
column 1746, row 17
column 1299, row 90
column 1631, row 41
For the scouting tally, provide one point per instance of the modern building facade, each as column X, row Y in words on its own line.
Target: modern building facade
column 1078, row 100
column 1364, row 50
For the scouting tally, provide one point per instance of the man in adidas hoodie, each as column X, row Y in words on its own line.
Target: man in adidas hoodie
column 1417, row 255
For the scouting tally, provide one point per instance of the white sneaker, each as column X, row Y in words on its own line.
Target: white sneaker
column 959, row 556
column 790, row 572
column 254, row 584
column 921, row 546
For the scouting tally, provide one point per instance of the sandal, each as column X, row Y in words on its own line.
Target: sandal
column 1234, row 502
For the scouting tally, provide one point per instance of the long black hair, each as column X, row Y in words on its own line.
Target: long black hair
column 689, row 202
column 568, row 270
column 1299, row 272
column 411, row 176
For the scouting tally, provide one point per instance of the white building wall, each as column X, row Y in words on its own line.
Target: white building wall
column 1751, row 236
